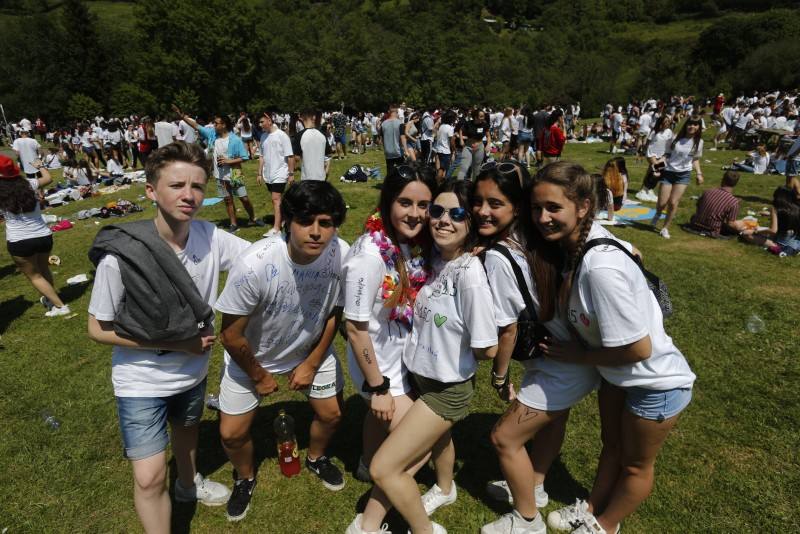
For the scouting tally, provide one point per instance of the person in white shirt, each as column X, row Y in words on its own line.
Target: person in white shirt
column 280, row 311
column 186, row 133
column 275, row 166
column 682, row 156
column 453, row 329
column 619, row 326
column 312, row 148
column 379, row 319
column 28, row 239
column 166, row 132
column 549, row 388
column 27, row 148
column 444, row 145
column 159, row 380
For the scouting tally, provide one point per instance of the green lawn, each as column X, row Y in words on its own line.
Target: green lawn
column 730, row 466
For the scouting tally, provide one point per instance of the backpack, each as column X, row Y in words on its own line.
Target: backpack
column 355, row 173
column 656, row 285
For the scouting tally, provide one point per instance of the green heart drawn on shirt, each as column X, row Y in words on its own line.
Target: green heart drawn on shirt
column 439, row 320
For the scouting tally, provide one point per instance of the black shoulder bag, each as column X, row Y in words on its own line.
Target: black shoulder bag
column 656, row 285
column 530, row 332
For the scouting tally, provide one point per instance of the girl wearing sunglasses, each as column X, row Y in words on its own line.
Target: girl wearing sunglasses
column 383, row 272
column 549, row 388
column 618, row 329
column 453, row 328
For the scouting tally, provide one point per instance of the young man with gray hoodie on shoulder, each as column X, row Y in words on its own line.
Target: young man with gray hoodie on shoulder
column 155, row 283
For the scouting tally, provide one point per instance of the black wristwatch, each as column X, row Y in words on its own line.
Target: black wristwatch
column 384, row 387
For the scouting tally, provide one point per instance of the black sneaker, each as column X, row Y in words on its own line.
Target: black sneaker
column 239, row 502
column 327, row 472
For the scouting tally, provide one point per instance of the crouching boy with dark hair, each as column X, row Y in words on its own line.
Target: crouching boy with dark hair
column 155, row 283
column 281, row 305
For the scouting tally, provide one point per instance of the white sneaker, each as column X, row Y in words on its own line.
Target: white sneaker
column 499, row 491
column 591, row 526
column 355, row 527
column 362, row 471
column 642, row 195
column 664, row 233
column 653, row 196
column 271, row 232
column 204, row 491
column 55, row 311
column 570, row 516
column 513, row 523
column 434, row 498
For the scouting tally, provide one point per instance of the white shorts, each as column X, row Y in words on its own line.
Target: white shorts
column 238, row 396
column 549, row 385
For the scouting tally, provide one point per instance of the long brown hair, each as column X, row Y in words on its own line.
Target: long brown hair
column 548, row 260
column 392, row 187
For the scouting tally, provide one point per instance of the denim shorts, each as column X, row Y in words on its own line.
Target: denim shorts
column 791, row 167
column 676, row 178
column 790, row 244
column 143, row 420
column 657, row 405
column 341, row 139
column 444, row 161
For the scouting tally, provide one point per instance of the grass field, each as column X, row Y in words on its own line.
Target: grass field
column 730, row 466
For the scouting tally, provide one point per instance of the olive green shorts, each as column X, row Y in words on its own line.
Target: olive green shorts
column 450, row 401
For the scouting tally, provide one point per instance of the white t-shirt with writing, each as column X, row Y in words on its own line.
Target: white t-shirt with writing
column 681, row 155
column 288, row 303
column 275, row 149
column 442, row 143
column 28, row 149
column 611, row 305
column 363, row 273
column 451, row 317
column 143, row 372
column 28, row 225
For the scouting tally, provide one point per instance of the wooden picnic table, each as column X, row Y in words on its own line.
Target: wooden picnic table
column 770, row 137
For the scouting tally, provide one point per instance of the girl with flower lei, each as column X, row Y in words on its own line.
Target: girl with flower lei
column 383, row 272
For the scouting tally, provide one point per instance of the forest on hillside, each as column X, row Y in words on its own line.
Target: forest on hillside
column 72, row 59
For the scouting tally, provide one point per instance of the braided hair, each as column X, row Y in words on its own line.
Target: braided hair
column 548, row 260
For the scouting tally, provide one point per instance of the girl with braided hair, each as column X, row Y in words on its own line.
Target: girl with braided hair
column 617, row 328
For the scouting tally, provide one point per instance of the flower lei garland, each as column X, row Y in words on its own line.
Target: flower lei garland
column 417, row 274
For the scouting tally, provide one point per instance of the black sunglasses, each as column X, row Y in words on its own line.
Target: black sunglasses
column 456, row 214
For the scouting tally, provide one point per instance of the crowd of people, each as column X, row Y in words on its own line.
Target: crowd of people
column 453, row 230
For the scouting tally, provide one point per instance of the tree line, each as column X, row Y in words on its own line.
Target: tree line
column 219, row 55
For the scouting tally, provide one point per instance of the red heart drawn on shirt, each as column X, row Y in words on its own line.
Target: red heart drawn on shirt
column 584, row 320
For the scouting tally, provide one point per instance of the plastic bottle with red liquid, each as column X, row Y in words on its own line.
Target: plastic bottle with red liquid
column 288, row 456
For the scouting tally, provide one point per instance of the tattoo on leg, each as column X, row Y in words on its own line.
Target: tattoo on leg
column 365, row 354
column 511, row 409
column 529, row 414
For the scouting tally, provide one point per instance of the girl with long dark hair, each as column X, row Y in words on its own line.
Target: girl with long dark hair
column 682, row 155
column 383, row 272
